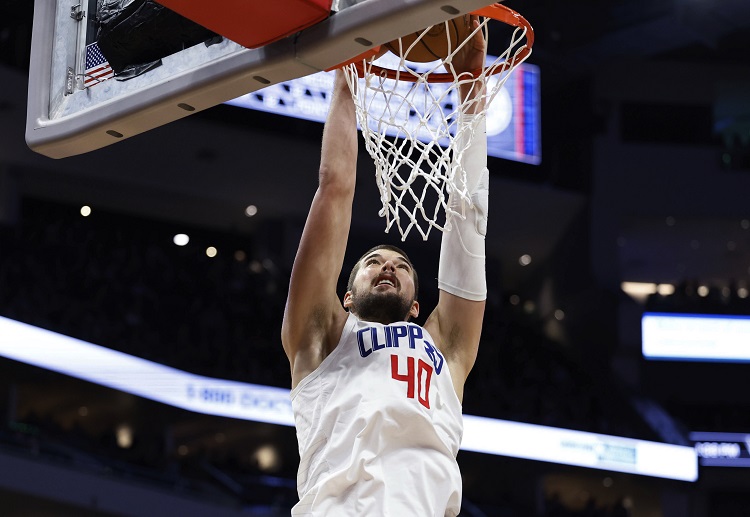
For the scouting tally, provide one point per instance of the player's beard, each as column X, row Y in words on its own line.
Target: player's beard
column 381, row 307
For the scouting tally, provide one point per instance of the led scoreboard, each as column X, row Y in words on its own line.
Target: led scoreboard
column 722, row 449
column 227, row 398
column 513, row 117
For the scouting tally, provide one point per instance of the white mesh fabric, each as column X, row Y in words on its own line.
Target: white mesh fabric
column 409, row 127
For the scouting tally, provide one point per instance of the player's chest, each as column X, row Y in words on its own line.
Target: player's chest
column 397, row 357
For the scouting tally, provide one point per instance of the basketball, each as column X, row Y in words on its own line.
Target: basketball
column 435, row 44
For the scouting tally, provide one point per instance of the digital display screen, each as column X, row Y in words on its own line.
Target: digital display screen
column 100, row 365
column 154, row 381
column 695, row 337
column 579, row 448
column 722, row 449
column 513, row 117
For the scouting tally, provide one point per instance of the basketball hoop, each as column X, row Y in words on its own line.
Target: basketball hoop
column 415, row 128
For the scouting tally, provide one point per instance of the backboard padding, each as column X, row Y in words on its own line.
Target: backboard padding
column 252, row 24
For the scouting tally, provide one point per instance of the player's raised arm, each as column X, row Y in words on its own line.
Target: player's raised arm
column 314, row 316
column 456, row 322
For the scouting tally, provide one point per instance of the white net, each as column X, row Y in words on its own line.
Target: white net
column 412, row 130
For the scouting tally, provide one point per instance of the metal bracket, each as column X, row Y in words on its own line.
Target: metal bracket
column 76, row 13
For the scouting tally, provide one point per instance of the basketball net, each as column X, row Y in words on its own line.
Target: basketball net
column 416, row 129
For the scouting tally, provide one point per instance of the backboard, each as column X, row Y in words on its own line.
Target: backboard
column 66, row 116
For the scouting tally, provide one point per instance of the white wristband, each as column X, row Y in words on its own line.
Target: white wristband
column 461, row 270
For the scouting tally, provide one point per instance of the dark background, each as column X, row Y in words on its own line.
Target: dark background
column 645, row 177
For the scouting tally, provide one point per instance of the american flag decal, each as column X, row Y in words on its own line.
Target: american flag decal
column 97, row 66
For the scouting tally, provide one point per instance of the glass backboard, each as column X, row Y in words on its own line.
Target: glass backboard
column 68, row 115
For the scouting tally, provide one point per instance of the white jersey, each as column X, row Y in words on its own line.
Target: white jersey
column 379, row 425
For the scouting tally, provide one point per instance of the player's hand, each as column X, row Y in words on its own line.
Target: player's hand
column 470, row 57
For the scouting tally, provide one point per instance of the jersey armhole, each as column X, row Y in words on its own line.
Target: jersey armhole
column 350, row 322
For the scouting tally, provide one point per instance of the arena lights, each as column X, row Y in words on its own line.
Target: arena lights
column 124, row 436
column 93, row 363
column 267, row 457
column 640, row 291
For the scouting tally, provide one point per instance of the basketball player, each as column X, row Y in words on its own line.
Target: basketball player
column 376, row 398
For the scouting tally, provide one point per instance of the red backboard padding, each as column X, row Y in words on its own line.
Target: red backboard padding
column 252, row 23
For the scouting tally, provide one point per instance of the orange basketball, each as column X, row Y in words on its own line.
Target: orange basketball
column 435, row 43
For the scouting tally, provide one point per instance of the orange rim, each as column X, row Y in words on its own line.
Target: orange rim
column 497, row 12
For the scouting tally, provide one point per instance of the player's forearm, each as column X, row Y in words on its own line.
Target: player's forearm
column 312, row 302
column 461, row 270
column 339, row 149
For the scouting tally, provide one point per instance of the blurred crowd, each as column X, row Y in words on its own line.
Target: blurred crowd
column 555, row 507
column 120, row 282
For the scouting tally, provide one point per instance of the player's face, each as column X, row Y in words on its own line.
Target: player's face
column 383, row 289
